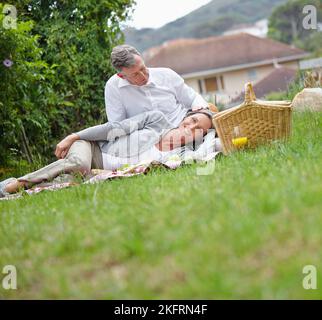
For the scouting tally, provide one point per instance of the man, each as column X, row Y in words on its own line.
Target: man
column 136, row 89
column 143, row 138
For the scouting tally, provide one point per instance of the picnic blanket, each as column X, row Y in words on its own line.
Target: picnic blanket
column 206, row 152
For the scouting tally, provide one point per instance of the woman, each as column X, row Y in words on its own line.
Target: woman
column 145, row 137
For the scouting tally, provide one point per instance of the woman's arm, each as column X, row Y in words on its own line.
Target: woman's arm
column 109, row 131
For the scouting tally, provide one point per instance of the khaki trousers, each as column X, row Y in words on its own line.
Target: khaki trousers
column 81, row 157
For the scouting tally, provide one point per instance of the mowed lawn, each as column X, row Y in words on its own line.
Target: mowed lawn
column 244, row 231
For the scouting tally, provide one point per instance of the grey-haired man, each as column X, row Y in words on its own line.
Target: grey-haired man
column 136, row 89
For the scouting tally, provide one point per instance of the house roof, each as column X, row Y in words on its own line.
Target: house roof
column 278, row 80
column 189, row 56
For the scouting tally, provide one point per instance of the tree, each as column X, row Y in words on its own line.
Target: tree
column 286, row 24
column 24, row 82
column 73, row 39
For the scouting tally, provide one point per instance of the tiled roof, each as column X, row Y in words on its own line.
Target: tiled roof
column 278, row 80
column 195, row 55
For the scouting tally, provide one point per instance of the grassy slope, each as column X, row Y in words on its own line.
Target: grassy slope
column 245, row 231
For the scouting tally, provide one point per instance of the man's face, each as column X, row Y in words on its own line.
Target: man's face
column 138, row 74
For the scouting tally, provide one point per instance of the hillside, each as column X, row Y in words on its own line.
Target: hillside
column 211, row 19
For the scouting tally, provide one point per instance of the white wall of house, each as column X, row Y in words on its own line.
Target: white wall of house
column 234, row 81
column 193, row 83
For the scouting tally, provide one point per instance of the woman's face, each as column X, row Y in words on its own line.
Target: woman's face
column 194, row 127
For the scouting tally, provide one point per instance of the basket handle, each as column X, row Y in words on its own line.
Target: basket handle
column 249, row 93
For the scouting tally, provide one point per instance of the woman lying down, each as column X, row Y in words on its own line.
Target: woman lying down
column 145, row 137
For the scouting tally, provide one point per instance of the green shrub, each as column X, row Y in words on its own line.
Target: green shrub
column 24, row 89
column 60, row 53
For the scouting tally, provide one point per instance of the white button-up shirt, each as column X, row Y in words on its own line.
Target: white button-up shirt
column 165, row 91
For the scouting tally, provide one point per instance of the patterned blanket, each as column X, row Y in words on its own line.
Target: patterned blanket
column 98, row 175
column 206, row 152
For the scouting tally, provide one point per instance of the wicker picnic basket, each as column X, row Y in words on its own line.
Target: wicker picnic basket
column 259, row 121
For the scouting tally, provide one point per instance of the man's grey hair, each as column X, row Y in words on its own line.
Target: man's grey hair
column 122, row 56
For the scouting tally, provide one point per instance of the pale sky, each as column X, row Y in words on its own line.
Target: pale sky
column 156, row 13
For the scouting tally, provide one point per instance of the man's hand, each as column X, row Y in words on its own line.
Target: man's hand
column 64, row 145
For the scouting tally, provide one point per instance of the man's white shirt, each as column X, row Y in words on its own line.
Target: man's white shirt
column 165, row 91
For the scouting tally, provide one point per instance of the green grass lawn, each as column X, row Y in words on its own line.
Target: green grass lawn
column 244, row 231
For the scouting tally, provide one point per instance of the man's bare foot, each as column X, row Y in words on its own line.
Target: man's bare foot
column 14, row 186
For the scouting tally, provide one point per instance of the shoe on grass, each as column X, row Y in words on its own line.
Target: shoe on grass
column 3, row 184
